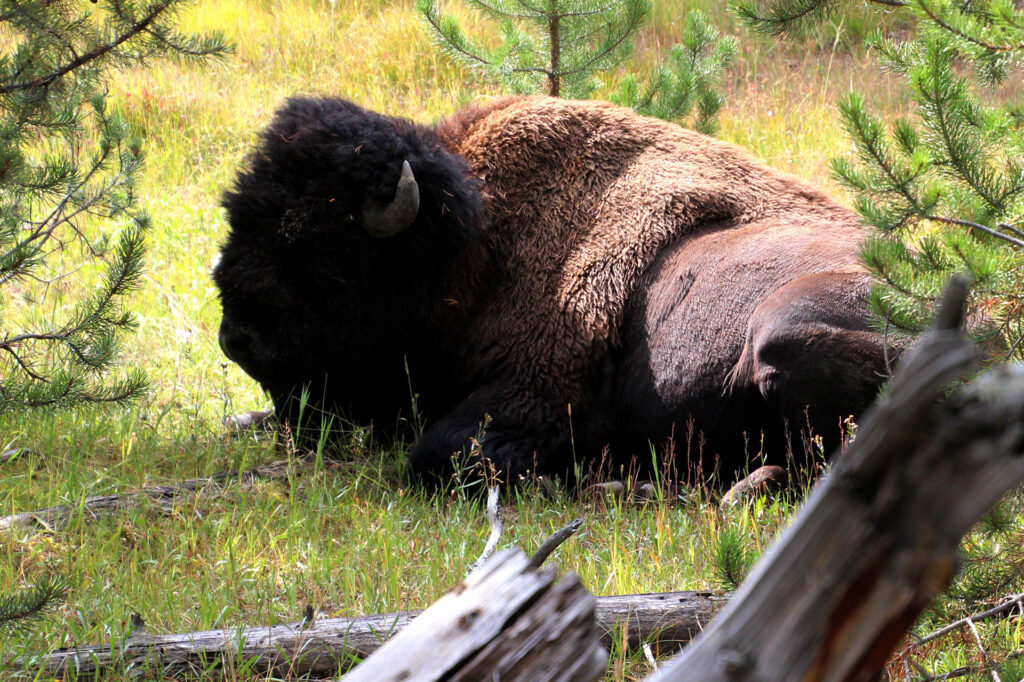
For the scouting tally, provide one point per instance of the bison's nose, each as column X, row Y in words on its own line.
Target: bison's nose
column 236, row 343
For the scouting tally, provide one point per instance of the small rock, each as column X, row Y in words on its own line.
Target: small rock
column 13, row 454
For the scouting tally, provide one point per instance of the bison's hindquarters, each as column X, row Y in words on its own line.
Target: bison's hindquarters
column 743, row 338
column 810, row 355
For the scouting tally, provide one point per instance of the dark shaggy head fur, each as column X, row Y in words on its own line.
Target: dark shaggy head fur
column 310, row 299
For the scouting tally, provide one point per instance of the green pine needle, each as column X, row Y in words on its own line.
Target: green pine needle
column 732, row 557
column 19, row 611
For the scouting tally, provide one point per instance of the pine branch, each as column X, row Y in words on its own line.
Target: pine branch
column 930, row 12
column 53, row 87
column 781, row 17
column 96, row 53
column 428, row 10
column 497, row 12
column 19, row 610
column 616, row 42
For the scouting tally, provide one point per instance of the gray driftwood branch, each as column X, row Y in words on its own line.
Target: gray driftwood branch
column 496, row 525
column 326, row 646
column 878, row 539
column 553, row 542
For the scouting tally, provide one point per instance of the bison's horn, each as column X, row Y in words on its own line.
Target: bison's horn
column 387, row 220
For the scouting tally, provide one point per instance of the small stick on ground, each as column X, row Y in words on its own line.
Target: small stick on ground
column 552, row 543
column 649, row 655
column 964, row 671
column 163, row 495
column 981, row 648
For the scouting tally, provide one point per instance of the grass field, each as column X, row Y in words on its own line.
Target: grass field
column 345, row 538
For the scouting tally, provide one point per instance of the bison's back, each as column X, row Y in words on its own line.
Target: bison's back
column 581, row 198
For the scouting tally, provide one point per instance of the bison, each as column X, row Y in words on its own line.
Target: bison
column 562, row 278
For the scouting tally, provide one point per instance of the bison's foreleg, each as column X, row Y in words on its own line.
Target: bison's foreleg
column 483, row 437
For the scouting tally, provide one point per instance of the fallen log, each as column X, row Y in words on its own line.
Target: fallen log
column 326, row 646
column 165, row 496
column 878, row 539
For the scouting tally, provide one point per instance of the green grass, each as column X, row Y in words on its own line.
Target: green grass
column 345, row 538
column 340, row 537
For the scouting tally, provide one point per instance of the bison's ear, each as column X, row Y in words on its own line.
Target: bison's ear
column 387, row 220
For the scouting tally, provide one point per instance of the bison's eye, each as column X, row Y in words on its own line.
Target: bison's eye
column 295, row 223
column 313, row 222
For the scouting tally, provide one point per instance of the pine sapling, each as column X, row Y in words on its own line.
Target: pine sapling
column 946, row 186
column 558, row 47
column 68, row 199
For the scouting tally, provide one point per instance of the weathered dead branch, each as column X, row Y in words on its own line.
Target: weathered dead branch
column 496, row 526
column 552, row 543
column 878, row 539
column 165, row 496
column 323, row 647
column 1004, row 607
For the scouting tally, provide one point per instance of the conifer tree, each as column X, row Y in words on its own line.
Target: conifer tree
column 68, row 204
column 946, row 187
column 557, row 46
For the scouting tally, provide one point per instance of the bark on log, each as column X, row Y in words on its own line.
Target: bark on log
column 163, row 495
column 324, row 647
column 878, row 539
column 508, row 621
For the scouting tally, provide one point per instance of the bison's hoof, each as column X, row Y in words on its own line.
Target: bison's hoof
column 614, row 489
column 759, row 481
column 247, row 420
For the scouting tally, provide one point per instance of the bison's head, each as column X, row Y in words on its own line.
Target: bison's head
column 343, row 230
